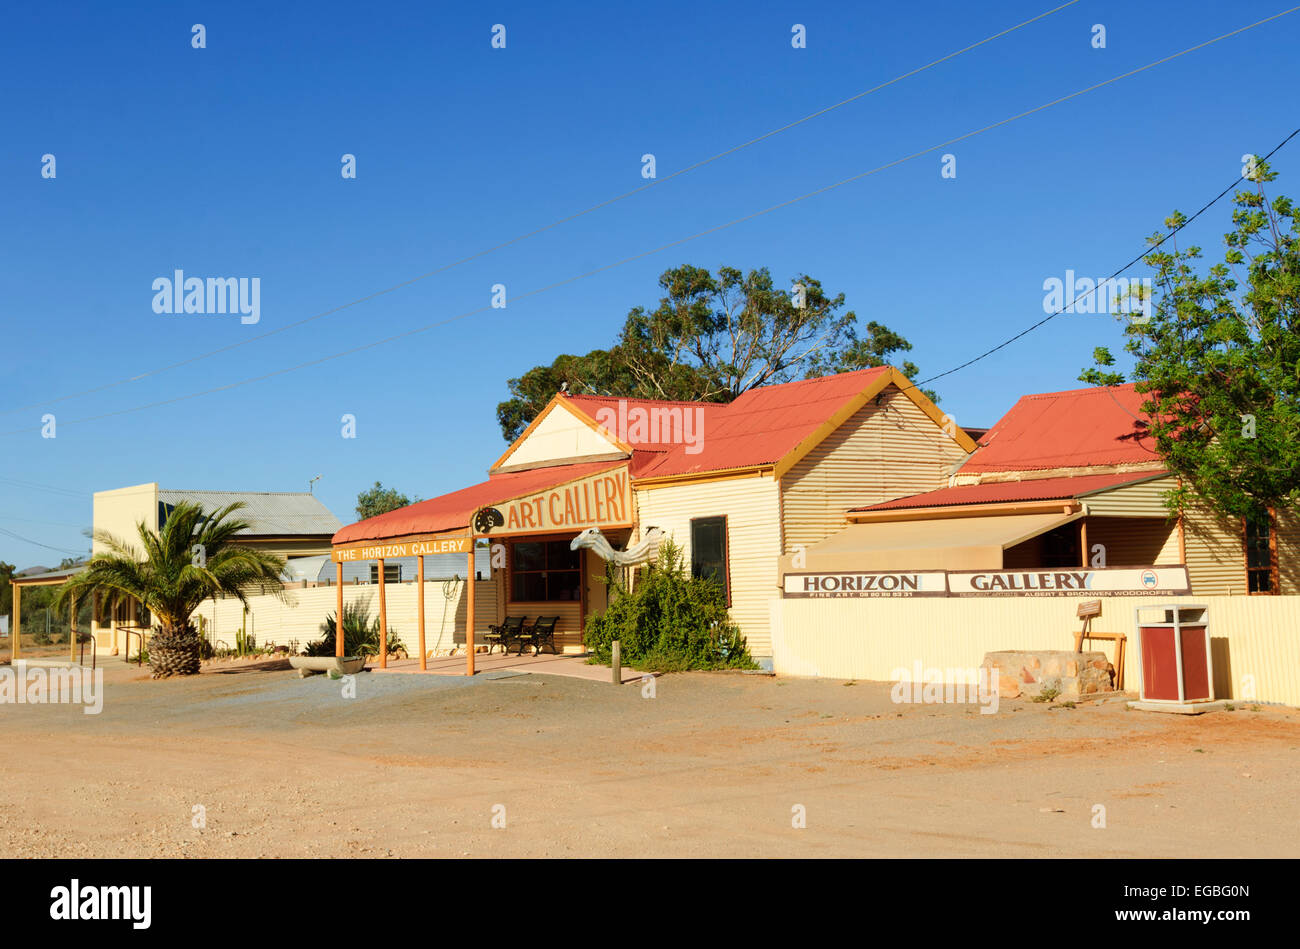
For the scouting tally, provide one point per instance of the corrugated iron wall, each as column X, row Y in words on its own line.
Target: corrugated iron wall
column 1255, row 640
column 880, row 453
column 1288, row 552
column 1134, row 541
column 300, row 618
column 1144, row 499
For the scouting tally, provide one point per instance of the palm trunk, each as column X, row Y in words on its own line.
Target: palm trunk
column 174, row 650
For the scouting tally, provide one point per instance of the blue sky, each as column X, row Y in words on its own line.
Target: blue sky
column 225, row 161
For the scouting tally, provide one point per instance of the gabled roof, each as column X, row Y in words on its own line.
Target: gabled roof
column 1073, row 429
column 453, row 511
column 769, row 426
column 270, row 514
column 1003, row 492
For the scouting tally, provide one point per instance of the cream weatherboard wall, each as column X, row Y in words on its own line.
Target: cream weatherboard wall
column 751, row 506
column 880, row 453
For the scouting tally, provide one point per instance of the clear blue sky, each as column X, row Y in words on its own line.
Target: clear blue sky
column 225, row 162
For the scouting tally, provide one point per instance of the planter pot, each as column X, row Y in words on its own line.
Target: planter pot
column 312, row 665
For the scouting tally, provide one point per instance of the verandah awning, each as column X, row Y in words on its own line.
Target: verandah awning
column 942, row 543
column 452, row 512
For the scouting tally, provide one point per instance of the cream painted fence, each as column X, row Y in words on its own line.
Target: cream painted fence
column 299, row 618
column 1255, row 641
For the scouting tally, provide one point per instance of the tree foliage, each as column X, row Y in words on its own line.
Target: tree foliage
column 712, row 337
column 7, row 571
column 380, row 500
column 1219, row 359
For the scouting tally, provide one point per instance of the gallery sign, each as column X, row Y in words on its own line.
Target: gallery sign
column 600, row 500
column 1114, row 581
column 1110, row 581
column 375, row 550
column 856, row 584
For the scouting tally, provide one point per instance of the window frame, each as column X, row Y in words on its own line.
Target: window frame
column 1271, row 569
column 545, row 542
column 725, row 572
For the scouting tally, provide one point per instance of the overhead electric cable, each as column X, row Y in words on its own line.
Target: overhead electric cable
column 712, row 230
column 189, row 360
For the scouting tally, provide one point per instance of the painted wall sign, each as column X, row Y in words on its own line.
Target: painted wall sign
column 1115, row 581
column 855, row 584
column 1112, row 581
column 373, row 550
column 601, row 500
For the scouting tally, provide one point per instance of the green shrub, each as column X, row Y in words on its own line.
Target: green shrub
column 360, row 634
column 668, row 622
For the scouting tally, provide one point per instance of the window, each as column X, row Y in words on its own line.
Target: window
column 709, row 552
column 544, row 572
column 392, row 573
column 1261, row 566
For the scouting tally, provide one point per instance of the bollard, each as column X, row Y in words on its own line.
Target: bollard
column 616, row 662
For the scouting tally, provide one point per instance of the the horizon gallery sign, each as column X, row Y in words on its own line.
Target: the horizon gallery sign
column 1115, row 581
column 376, row 549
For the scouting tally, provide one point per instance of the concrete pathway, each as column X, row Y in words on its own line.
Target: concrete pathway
column 573, row 666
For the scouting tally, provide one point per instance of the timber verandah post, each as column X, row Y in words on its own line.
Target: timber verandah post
column 469, row 611
column 419, row 608
column 383, row 618
column 338, row 611
column 17, row 632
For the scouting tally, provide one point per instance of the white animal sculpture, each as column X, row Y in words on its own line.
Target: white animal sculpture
column 641, row 551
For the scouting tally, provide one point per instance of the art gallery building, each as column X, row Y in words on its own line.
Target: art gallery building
column 794, row 490
column 734, row 485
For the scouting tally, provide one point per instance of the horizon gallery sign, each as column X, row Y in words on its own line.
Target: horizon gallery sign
column 1113, row 581
column 599, row 500
column 857, row 584
column 1110, row 581
column 376, row 550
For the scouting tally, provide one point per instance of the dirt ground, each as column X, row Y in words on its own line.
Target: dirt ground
column 712, row 765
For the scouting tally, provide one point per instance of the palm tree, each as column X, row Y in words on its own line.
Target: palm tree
column 193, row 557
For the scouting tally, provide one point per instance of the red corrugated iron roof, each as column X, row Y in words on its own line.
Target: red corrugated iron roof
column 760, row 427
column 452, row 511
column 1004, row 492
column 1077, row 428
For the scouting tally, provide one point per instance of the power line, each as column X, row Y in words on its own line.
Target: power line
column 541, row 230
column 33, row 486
column 676, row 243
column 1051, row 316
column 28, row 540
